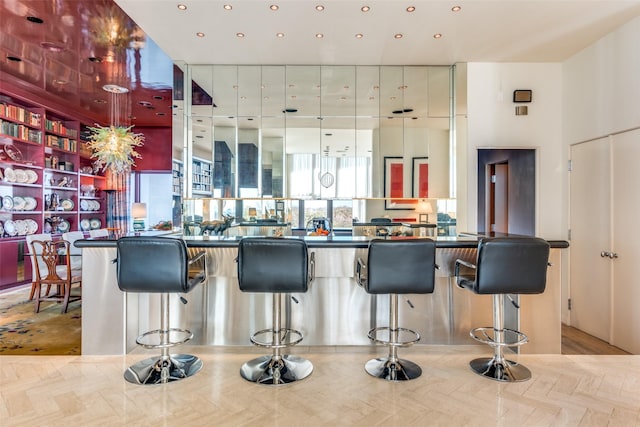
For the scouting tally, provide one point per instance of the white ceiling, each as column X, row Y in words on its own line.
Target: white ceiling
column 482, row 31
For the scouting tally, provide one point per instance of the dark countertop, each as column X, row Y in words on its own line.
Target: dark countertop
column 464, row 240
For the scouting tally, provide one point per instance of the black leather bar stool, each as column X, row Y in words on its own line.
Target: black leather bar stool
column 160, row 265
column 504, row 266
column 395, row 267
column 277, row 266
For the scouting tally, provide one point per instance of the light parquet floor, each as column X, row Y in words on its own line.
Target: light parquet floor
column 566, row 390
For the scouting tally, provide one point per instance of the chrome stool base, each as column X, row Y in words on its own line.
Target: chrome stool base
column 156, row 370
column 505, row 371
column 270, row 370
column 398, row 370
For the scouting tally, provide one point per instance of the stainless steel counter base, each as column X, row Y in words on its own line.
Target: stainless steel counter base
column 334, row 312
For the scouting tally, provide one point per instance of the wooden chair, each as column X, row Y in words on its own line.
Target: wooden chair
column 49, row 254
column 76, row 253
column 35, row 262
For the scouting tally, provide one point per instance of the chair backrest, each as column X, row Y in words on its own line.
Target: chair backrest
column 47, row 254
column 405, row 266
column 36, row 262
column 268, row 264
column 100, row 232
column 152, row 264
column 71, row 237
column 511, row 265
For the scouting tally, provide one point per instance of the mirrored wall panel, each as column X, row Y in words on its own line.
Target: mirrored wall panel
column 314, row 132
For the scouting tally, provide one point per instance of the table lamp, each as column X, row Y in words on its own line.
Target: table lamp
column 139, row 214
column 424, row 209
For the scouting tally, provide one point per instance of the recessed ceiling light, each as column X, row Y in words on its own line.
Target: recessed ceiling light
column 243, row 97
column 343, row 98
column 437, row 36
column 403, row 87
column 319, row 35
column 376, row 87
column 319, row 8
column 34, row 19
column 293, row 96
column 52, row 47
column 280, row 35
column 240, row 35
column 60, row 82
column 345, row 87
column 266, row 98
column 359, row 36
column 371, row 98
column 398, row 36
column 144, row 103
column 235, row 86
column 456, row 8
column 365, row 8
column 200, row 34
column 274, row 7
column 182, row 6
column 411, row 9
column 392, row 98
column 227, row 7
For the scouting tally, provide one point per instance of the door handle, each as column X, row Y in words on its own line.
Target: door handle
column 613, row 255
column 604, row 254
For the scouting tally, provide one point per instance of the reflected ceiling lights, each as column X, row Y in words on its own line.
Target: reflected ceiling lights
column 411, row 9
column 274, row 7
column 227, row 7
column 319, row 8
column 365, row 8
column 182, row 6
column 456, row 8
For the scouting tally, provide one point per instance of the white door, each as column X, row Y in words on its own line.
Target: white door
column 590, row 274
column 626, row 203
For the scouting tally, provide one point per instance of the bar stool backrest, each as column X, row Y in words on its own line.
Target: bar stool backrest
column 404, row 266
column 152, row 264
column 511, row 265
column 272, row 265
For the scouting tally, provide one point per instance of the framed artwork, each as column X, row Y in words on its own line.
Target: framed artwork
column 394, row 185
column 420, row 174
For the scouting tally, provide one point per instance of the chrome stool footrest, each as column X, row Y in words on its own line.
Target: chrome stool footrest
column 288, row 337
column 486, row 335
column 175, row 336
column 412, row 338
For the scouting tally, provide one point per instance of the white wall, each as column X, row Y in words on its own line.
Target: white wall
column 492, row 123
column 602, row 86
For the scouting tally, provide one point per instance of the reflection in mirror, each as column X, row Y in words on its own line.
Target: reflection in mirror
column 319, row 131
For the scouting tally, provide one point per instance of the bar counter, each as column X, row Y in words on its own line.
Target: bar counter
column 334, row 311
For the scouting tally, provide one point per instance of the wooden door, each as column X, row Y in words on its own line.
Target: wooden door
column 626, row 207
column 590, row 274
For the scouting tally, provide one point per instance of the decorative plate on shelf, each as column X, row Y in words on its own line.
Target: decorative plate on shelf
column 95, row 223
column 32, row 176
column 67, row 204
column 30, row 203
column 96, row 205
column 85, row 225
column 64, row 226
column 9, row 175
column 13, row 152
column 84, row 205
column 32, row 226
column 10, row 228
column 1, row 229
column 18, row 203
column 7, row 204
column 21, row 227
column 21, row 176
